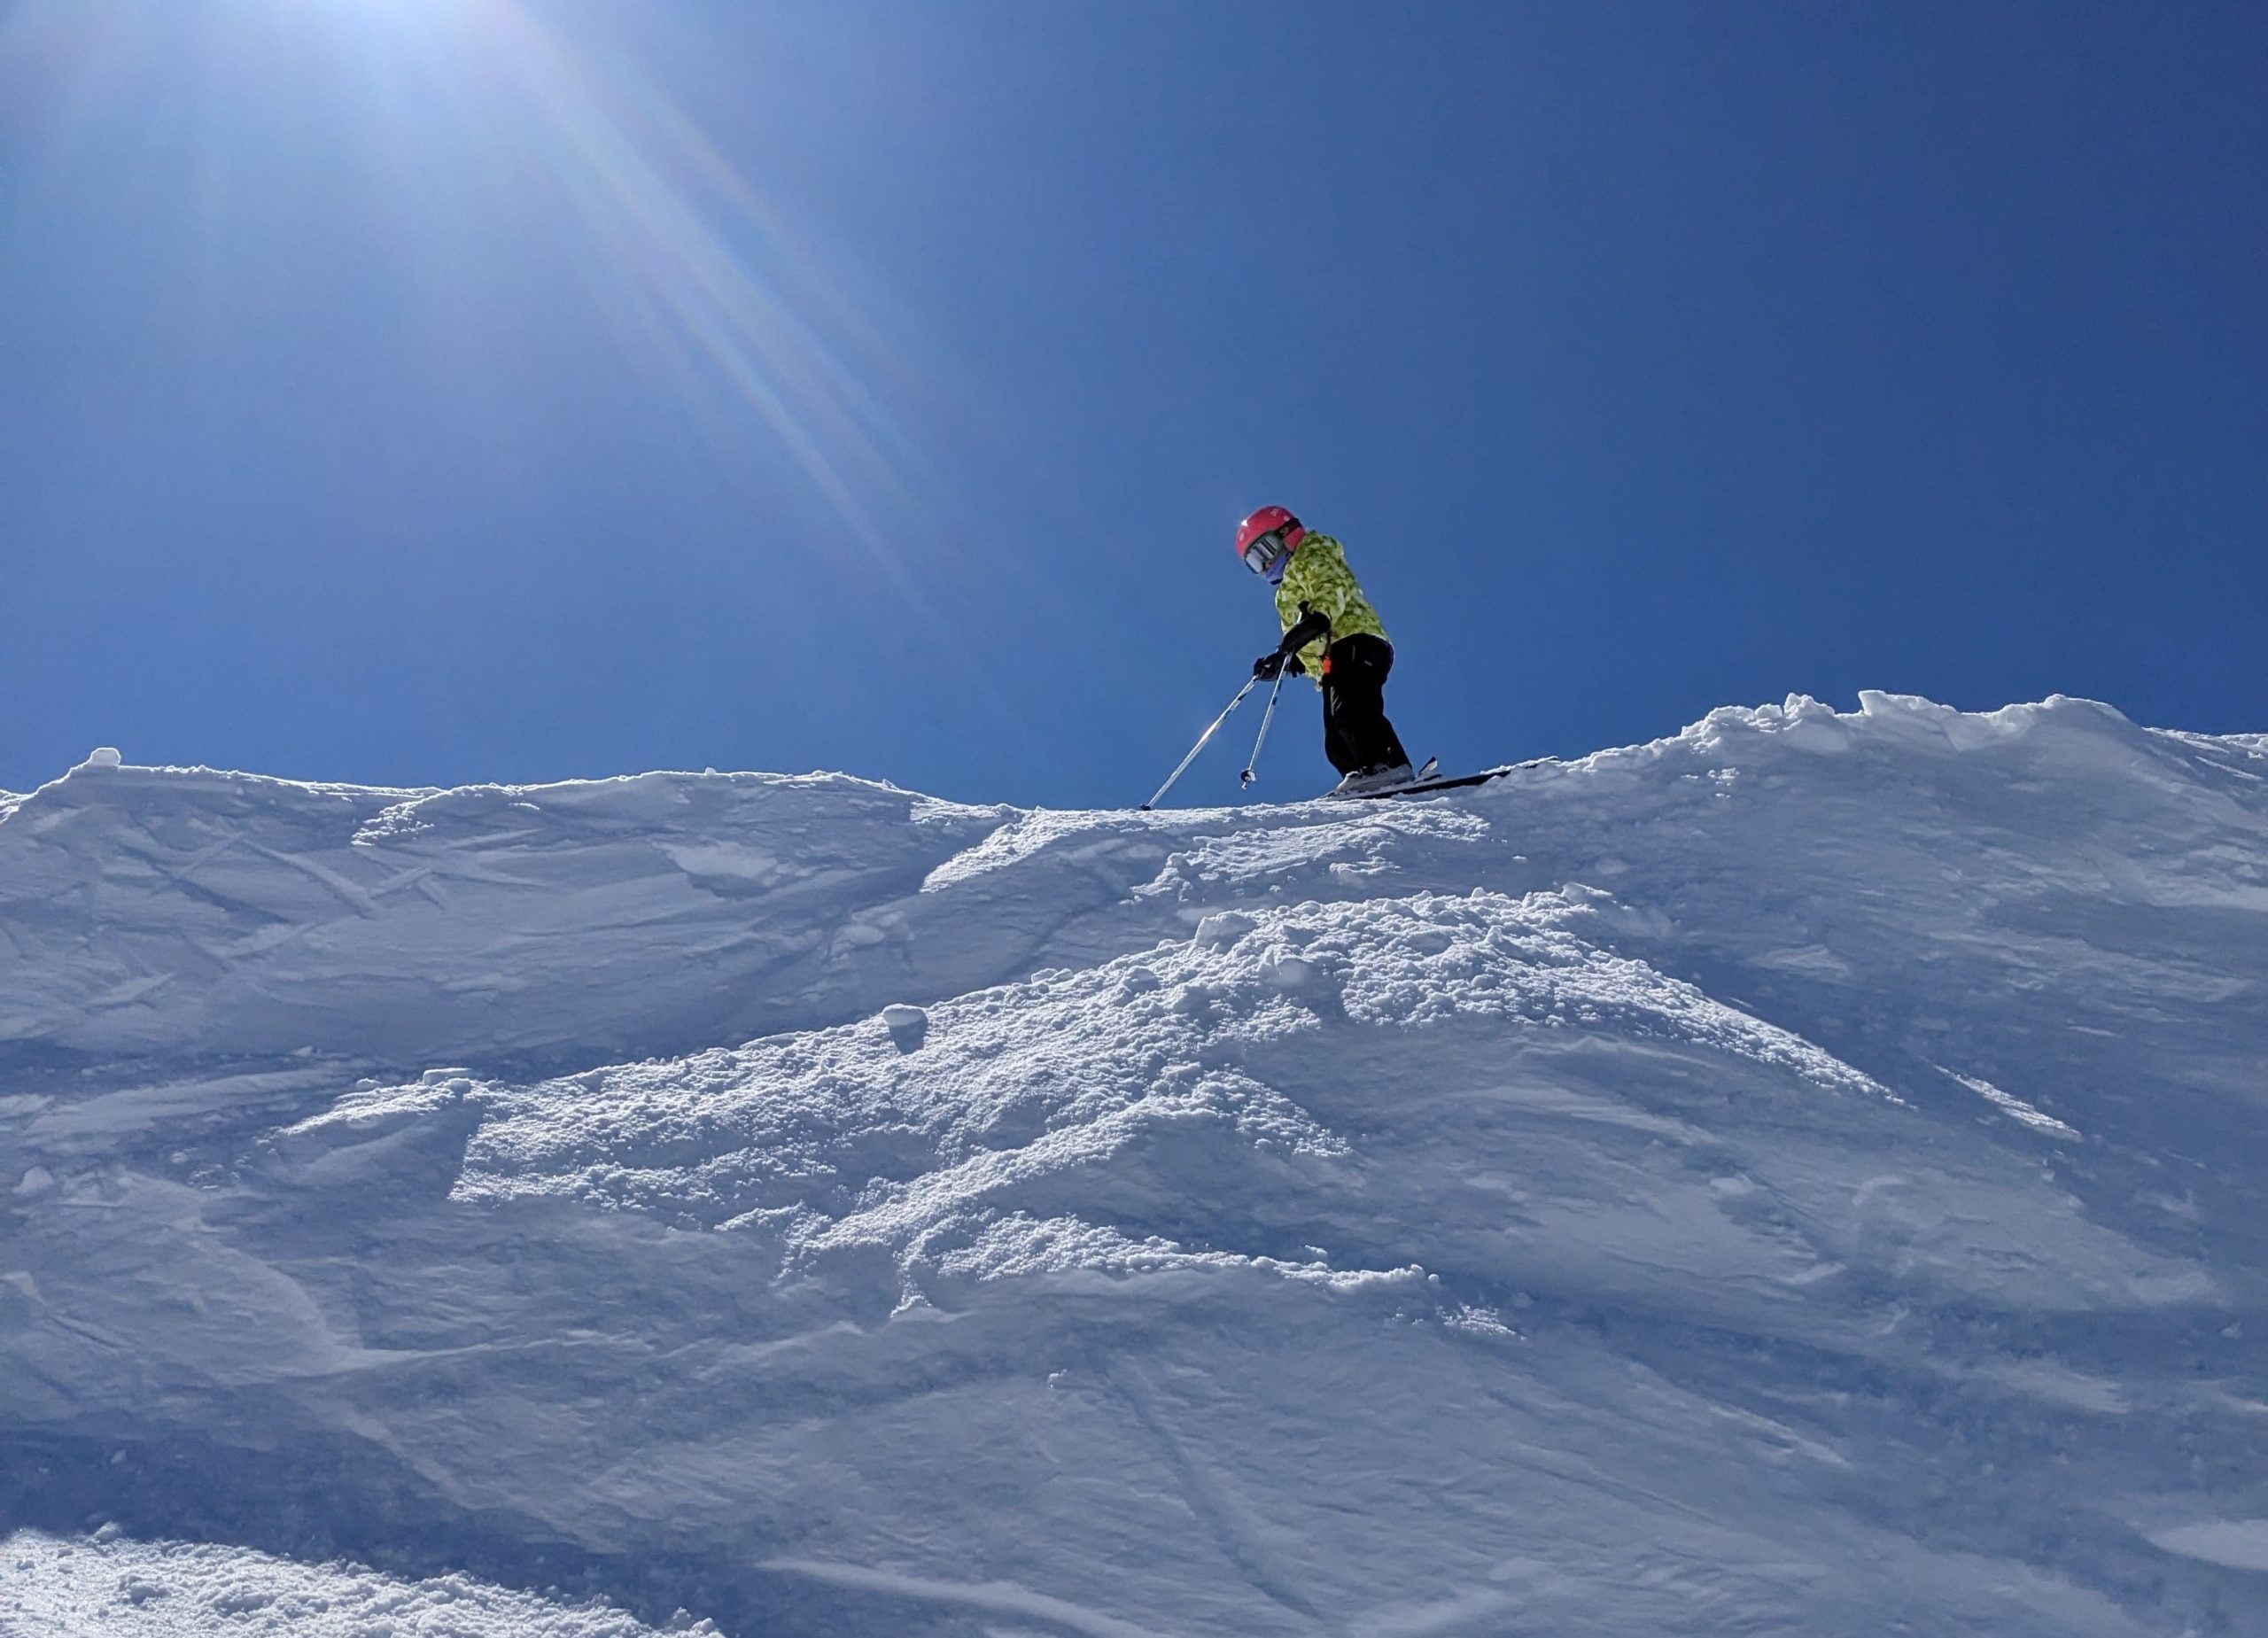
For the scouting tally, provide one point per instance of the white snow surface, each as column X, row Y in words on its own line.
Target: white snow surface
column 1809, row 1175
column 106, row 1586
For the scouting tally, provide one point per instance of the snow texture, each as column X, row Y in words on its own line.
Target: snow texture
column 1800, row 1175
column 108, row 1587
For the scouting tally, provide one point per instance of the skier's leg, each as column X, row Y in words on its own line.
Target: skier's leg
column 1335, row 744
column 1357, row 734
column 1341, row 713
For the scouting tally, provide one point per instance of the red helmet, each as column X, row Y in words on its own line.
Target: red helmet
column 1271, row 520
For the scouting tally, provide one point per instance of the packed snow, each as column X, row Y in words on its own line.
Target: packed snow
column 180, row 1590
column 1805, row 1175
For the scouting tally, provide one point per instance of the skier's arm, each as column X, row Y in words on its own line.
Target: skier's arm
column 1312, row 623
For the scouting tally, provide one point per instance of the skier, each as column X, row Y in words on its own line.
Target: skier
column 1331, row 633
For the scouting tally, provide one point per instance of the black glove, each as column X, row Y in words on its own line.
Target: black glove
column 1278, row 660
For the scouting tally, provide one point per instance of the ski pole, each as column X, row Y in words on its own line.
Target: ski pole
column 1266, row 717
column 1182, row 766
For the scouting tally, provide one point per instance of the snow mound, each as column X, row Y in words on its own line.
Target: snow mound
column 107, row 1587
column 1798, row 1175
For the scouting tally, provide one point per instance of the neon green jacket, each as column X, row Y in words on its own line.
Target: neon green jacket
column 1318, row 580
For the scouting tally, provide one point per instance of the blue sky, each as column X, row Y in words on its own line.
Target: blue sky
column 433, row 391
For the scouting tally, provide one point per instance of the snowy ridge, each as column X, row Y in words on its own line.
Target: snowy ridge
column 246, row 915
column 1802, row 1174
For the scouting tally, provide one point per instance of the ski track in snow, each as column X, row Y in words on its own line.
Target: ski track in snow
column 1802, row 1175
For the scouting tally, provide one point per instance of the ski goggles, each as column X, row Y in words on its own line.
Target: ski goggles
column 1267, row 554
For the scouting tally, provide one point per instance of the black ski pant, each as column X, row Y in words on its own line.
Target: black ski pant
column 1356, row 736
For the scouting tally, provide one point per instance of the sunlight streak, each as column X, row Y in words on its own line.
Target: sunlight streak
column 484, row 119
column 479, row 103
column 778, row 341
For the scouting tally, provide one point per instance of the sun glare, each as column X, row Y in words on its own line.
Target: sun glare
column 709, row 277
column 724, row 280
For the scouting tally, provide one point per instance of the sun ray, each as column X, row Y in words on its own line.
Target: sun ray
column 649, row 188
column 714, row 287
column 709, row 275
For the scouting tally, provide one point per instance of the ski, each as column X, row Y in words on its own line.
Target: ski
column 1422, row 787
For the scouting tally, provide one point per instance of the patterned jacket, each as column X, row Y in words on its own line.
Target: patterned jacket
column 1317, row 580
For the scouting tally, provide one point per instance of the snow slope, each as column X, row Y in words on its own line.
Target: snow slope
column 1802, row 1176
column 108, row 1584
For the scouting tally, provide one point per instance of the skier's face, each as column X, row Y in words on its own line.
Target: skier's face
column 1267, row 556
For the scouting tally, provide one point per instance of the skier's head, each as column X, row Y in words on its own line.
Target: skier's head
column 1267, row 539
